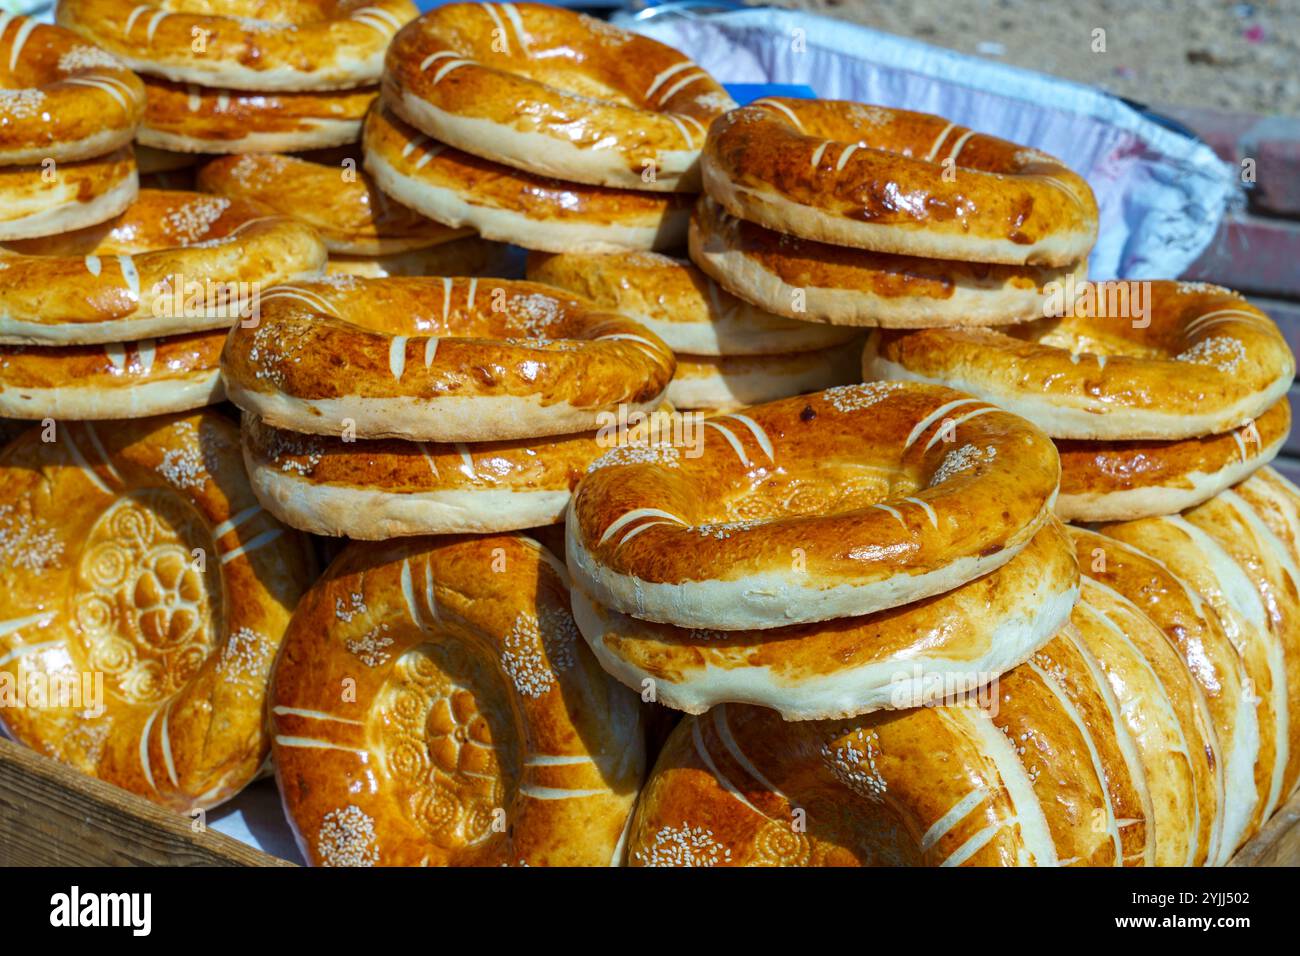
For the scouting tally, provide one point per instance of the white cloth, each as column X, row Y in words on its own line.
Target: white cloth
column 256, row 817
column 1160, row 194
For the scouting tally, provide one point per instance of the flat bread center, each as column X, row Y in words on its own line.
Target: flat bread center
column 146, row 602
column 446, row 745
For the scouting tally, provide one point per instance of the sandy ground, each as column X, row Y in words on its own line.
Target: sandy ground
column 1211, row 53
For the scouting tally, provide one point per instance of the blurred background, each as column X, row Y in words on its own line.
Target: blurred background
column 1191, row 53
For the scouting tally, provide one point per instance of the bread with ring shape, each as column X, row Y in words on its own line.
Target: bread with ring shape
column 1068, row 729
column 61, row 99
column 896, row 181
column 187, row 118
column 173, row 262
column 509, row 205
column 1055, row 763
column 114, row 380
column 1144, row 360
column 901, row 657
column 1120, row 481
column 82, row 193
column 387, row 488
column 819, row 282
column 1229, row 520
column 1213, row 572
column 1273, row 503
column 339, row 201
column 1042, row 775
column 555, row 93
column 144, row 584
column 1167, row 718
column 680, row 304
column 840, row 503
column 301, row 45
column 1276, row 501
column 478, row 730
column 439, row 359
column 1194, row 630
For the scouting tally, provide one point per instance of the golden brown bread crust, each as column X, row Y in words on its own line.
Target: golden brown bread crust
column 63, row 99
column 680, row 304
column 1193, row 629
column 81, row 193
column 439, row 359
column 896, row 181
column 193, row 119
column 385, row 488
column 739, row 787
column 1276, row 501
column 555, row 93
column 730, row 382
column 1093, row 752
column 339, row 201
column 820, row 282
column 1120, row 481
column 117, row 281
column 1200, row 360
column 1065, row 726
column 96, row 382
column 481, row 731
column 506, row 204
column 1030, row 772
column 899, row 658
column 1080, row 721
column 1213, row 574
column 847, row 501
column 249, row 44
column 1239, row 530
column 1167, row 717
column 138, row 553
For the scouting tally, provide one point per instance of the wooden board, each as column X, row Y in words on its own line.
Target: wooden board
column 1278, row 843
column 50, row 815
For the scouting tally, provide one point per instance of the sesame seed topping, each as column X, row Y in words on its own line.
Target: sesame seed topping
column 274, row 346
column 21, row 104
column 961, row 460
column 853, row 763
column 1219, row 352
column 294, row 452
column 537, row 647
column 356, row 604
column 347, row 838
column 88, row 58
column 192, row 221
column 856, row 398
column 27, row 542
column 536, row 312
column 666, row 455
column 684, row 846
column 723, row 530
column 372, row 648
column 246, row 660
